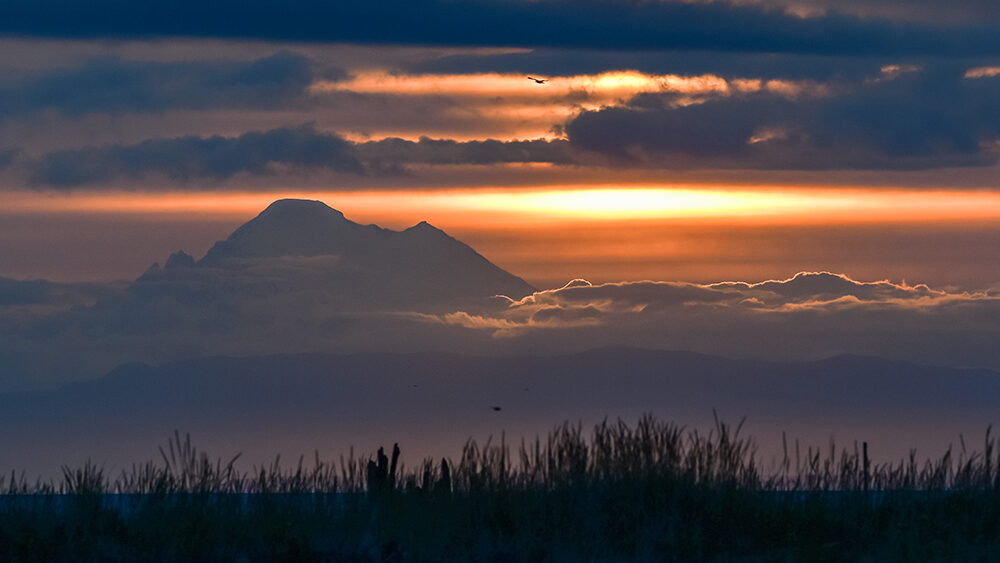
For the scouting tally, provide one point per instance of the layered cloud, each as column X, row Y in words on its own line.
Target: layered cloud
column 701, row 85
column 900, row 116
column 640, row 110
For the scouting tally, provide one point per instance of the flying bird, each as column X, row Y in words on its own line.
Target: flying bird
column 496, row 408
column 538, row 80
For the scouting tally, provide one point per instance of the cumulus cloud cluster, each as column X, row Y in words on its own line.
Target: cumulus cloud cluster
column 580, row 303
column 921, row 118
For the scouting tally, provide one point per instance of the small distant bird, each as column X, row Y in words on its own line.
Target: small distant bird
column 538, row 80
column 496, row 408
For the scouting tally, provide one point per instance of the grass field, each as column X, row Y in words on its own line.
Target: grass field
column 652, row 491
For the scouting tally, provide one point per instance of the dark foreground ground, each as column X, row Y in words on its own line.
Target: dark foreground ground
column 649, row 492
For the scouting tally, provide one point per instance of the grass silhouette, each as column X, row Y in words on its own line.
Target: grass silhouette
column 652, row 491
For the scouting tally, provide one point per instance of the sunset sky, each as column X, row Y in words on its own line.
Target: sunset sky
column 653, row 205
column 696, row 140
column 675, row 155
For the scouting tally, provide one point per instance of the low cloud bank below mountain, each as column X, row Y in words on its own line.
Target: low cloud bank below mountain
column 812, row 314
column 253, row 308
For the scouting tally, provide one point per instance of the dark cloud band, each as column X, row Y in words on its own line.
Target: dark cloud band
column 550, row 23
column 196, row 158
column 188, row 159
column 116, row 85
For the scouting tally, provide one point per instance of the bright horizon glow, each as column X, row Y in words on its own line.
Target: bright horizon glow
column 493, row 206
column 552, row 235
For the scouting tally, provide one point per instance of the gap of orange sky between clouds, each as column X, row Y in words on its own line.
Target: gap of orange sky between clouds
column 554, row 204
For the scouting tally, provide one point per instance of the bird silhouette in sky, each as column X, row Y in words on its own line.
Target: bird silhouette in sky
column 538, row 80
column 496, row 408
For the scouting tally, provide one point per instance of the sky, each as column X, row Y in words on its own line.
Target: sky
column 693, row 142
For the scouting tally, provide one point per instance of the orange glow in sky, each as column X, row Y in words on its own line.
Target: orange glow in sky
column 609, row 85
column 589, row 91
column 496, row 206
column 551, row 235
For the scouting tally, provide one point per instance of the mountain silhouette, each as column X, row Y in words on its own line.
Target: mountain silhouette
column 306, row 245
column 295, row 227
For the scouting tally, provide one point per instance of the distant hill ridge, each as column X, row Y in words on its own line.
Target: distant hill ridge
column 297, row 402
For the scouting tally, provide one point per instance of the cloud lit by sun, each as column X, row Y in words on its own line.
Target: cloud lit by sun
column 518, row 107
column 604, row 86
